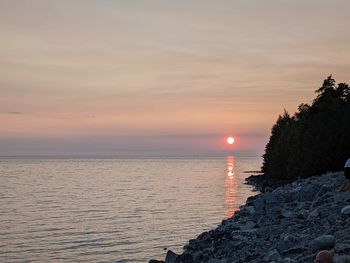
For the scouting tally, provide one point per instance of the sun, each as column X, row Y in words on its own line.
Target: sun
column 230, row 140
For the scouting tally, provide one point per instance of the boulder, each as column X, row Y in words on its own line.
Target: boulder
column 322, row 242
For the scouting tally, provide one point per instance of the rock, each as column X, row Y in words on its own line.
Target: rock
column 170, row 257
column 197, row 255
column 288, row 237
column 340, row 197
column 344, row 259
column 298, row 249
column 342, row 248
column 288, row 260
column 214, row 260
column 272, row 255
column 204, row 236
column 286, row 225
column 184, row 258
column 322, row 242
column 250, row 209
column 313, row 214
column 155, row 261
column 346, row 210
column 287, row 214
column 248, row 225
column 283, row 245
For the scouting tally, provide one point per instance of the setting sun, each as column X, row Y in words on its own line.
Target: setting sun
column 230, row 140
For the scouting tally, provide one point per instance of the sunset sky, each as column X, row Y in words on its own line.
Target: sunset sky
column 135, row 77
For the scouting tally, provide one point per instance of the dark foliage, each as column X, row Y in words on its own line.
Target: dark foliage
column 315, row 140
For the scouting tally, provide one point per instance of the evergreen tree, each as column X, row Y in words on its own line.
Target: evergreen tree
column 315, row 140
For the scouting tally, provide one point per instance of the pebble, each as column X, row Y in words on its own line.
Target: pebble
column 346, row 210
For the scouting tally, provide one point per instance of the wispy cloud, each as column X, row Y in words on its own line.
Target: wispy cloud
column 188, row 69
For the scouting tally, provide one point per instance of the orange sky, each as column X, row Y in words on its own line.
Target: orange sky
column 168, row 76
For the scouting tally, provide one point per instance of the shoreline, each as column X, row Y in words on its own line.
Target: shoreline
column 286, row 223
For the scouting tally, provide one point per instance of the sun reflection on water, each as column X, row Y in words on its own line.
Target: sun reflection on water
column 231, row 185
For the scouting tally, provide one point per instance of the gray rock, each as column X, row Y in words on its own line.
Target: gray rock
column 343, row 259
column 296, row 249
column 341, row 197
column 288, row 260
column 272, row 255
column 250, row 209
column 346, row 210
column 343, row 248
column 287, row 214
column 170, row 257
column 314, row 214
column 288, row 237
column 322, row 242
column 214, row 260
column 279, row 226
column 284, row 245
column 184, row 258
column 248, row 225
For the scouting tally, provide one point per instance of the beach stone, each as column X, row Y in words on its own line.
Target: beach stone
column 342, row 248
column 288, row 237
column 343, row 259
column 184, row 258
column 314, row 214
column 259, row 204
column 170, row 257
column 286, row 247
column 155, row 261
column 250, row 209
column 214, row 260
column 204, row 236
column 298, row 249
column 272, row 255
column 322, row 242
column 342, row 197
column 288, row 260
column 248, row 225
column 287, row 214
column 288, row 224
column 345, row 210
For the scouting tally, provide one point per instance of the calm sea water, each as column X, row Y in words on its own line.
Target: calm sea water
column 114, row 210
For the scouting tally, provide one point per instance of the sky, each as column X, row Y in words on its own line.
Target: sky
column 161, row 77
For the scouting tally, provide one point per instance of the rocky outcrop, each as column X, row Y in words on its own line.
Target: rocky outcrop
column 289, row 224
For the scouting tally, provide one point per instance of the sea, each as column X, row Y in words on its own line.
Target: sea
column 114, row 209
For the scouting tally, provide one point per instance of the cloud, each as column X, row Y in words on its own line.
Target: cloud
column 14, row 112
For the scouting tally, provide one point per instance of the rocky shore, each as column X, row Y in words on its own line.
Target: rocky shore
column 289, row 223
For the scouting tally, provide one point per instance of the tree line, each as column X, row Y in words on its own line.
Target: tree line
column 313, row 141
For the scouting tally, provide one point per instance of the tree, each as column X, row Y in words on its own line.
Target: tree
column 315, row 140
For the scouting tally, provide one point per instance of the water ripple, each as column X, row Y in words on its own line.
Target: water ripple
column 113, row 210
